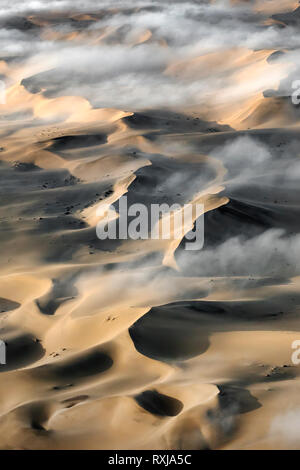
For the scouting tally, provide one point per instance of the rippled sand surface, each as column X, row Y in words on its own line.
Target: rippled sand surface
column 142, row 344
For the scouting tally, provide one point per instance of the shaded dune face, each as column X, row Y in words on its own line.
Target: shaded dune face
column 62, row 290
column 143, row 344
column 21, row 350
column 169, row 333
column 159, row 404
column 6, row 305
column 81, row 367
column 77, row 141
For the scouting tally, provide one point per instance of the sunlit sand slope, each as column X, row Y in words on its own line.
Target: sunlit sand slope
column 142, row 344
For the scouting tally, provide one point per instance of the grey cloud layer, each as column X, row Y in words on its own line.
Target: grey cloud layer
column 115, row 74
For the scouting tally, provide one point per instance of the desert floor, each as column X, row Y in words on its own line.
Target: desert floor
column 142, row 344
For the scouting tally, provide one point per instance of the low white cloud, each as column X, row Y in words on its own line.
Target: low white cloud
column 115, row 73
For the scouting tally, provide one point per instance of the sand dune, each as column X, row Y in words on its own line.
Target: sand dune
column 141, row 344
